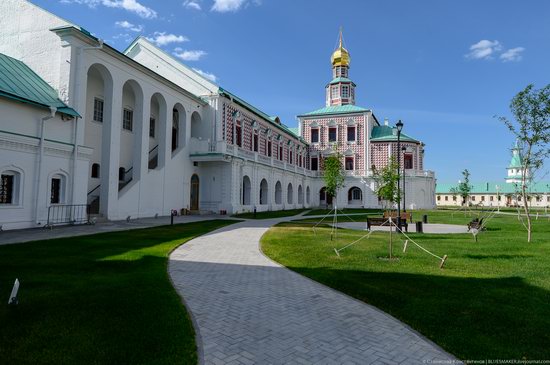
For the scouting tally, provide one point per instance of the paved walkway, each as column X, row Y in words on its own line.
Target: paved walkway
column 34, row 234
column 249, row 310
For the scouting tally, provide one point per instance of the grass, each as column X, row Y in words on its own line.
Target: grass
column 98, row 299
column 491, row 300
column 270, row 214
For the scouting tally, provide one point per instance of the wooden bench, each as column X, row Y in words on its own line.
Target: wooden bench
column 475, row 224
column 405, row 216
column 377, row 221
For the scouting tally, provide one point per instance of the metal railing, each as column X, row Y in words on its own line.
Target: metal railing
column 67, row 214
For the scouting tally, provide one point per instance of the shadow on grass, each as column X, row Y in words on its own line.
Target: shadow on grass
column 103, row 298
column 472, row 318
column 497, row 257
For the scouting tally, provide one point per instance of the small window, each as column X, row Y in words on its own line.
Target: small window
column 314, row 164
column 55, row 194
column 349, row 163
column 152, row 126
column 446, row 198
column 95, row 170
column 351, row 134
column 334, row 92
column 473, row 198
column 332, row 136
column 408, row 161
column 7, row 189
column 269, row 148
column 175, row 129
column 345, row 91
column 439, row 198
column 454, row 198
column 498, row 198
column 98, row 110
column 491, row 198
column 482, row 198
column 128, row 119
column 314, row 135
column 239, row 135
column 255, row 143
column 290, row 157
column 281, row 153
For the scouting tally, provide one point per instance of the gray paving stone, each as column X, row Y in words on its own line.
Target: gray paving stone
column 249, row 309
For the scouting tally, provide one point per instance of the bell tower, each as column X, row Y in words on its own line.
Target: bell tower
column 341, row 90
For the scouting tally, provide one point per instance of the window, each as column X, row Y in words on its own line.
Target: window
column 439, row 198
column 175, row 129
column 152, row 123
column 269, row 148
column 345, row 91
column 473, row 198
column 255, row 142
column 408, row 161
column 446, row 198
column 454, row 198
column 351, row 134
column 355, row 194
column 7, row 187
column 290, row 156
column 95, row 170
column 314, row 164
column 334, row 92
column 128, row 119
column 239, row 135
column 281, row 153
column 332, row 134
column 121, row 173
column 98, row 110
column 498, row 198
column 349, row 163
column 314, row 135
column 55, row 193
column 482, row 198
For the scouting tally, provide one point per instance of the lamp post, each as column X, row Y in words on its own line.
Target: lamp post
column 404, row 149
column 498, row 198
column 399, row 126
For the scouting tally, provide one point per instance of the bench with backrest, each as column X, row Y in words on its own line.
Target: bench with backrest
column 476, row 223
column 405, row 216
column 377, row 221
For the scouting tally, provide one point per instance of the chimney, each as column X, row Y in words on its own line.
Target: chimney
column 386, row 122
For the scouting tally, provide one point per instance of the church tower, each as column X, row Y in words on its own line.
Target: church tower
column 515, row 168
column 341, row 90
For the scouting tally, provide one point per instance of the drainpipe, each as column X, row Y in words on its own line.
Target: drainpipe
column 43, row 120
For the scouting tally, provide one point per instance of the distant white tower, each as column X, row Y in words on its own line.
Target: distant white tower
column 515, row 174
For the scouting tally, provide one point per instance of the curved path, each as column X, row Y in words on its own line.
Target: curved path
column 248, row 309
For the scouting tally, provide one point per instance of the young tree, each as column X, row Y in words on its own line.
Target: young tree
column 387, row 179
column 464, row 188
column 531, row 111
column 334, row 174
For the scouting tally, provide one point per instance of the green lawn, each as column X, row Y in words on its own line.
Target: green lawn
column 492, row 299
column 270, row 214
column 99, row 299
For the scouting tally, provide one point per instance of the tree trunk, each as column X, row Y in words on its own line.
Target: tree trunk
column 524, row 194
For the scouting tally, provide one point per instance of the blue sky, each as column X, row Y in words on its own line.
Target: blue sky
column 444, row 67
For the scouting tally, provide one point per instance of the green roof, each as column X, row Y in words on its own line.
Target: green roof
column 516, row 162
column 268, row 118
column 294, row 130
column 382, row 133
column 491, row 187
column 337, row 109
column 340, row 79
column 18, row 82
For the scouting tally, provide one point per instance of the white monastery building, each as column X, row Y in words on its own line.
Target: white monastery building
column 86, row 129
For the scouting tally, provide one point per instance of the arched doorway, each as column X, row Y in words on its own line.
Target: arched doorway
column 355, row 196
column 194, row 193
column 300, row 195
column 263, row 192
column 278, row 193
column 290, row 194
column 246, row 190
column 324, row 198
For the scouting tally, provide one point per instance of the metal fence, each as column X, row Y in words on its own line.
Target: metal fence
column 67, row 214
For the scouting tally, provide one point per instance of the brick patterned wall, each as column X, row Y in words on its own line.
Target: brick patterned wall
column 380, row 154
column 341, row 123
column 248, row 131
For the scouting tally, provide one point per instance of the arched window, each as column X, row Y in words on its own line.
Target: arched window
column 263, row 192
column 300, row 195
column 10, row 182
column 307, row 195
column 175, row 129
column 246, row 190
column 121, row 173
column 355, row 195
column 95, row 170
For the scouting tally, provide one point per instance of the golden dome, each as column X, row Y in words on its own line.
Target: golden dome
column 340, row 57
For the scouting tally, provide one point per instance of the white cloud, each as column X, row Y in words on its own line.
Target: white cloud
column 484, row 49
column 127, row 25
column 162, row 39
column 512, row 55
column 132, row 6
column 189, row 55
column 192, row 4
column 224, row 6
column 206, row 75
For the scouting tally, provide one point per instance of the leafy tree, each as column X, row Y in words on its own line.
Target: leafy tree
column 464, row 188
column 334, row 174
column 387, row 179
column 531, row 111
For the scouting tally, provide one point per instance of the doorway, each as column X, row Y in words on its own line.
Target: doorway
column 194, row 192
